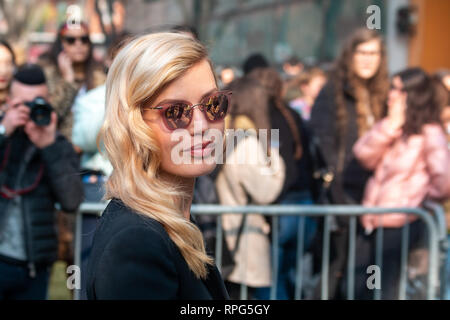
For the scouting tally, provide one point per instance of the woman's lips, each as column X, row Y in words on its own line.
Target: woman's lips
column 203, row 149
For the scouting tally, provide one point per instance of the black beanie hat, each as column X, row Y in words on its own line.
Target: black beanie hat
column 254, row 61
column 30, row 74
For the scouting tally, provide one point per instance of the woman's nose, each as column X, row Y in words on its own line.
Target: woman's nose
column 199, row 122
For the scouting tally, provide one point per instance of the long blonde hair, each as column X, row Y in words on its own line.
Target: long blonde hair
column 140, row 71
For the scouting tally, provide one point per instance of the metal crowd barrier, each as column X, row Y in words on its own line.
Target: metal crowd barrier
column 434, row 222
column 439, row 215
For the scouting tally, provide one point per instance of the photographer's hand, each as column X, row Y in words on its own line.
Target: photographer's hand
column 15, row 116
column 42, row 136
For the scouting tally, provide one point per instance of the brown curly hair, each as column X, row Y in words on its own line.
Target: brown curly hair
column 370, row 95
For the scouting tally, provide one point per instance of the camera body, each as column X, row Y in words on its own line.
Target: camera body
column 41, row 111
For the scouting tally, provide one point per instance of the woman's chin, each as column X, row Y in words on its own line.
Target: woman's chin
column 195, row 170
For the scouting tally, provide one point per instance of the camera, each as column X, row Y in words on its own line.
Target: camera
column 41, row 111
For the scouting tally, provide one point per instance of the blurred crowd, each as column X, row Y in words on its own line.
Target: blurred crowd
column 349, row 133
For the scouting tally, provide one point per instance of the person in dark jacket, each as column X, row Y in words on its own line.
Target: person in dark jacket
column 38, row 169
column 347, row 107
column 162, row 102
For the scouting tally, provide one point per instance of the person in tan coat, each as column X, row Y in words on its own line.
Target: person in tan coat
column 248, row 178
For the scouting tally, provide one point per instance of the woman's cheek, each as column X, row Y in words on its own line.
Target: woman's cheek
column 168, row 162
column 167, row 147
column 220, row 126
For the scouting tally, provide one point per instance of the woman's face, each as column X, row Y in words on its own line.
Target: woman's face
column 367, row 59
column 6, row 67
column 75, row 44
column 187, row 152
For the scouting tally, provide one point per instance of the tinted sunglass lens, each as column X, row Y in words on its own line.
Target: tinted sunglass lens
column 216, row 107
column 70, row 40
column 178, row 116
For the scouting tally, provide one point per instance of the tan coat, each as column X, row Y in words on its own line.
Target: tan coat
column 236, row 184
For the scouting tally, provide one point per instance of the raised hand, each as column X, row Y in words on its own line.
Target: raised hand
column 397, row 113
column 40, row 136
column 65, row 67
column 15, row 116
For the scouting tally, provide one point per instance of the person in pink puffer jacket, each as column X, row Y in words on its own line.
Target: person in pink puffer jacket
column 411, row 161
column 407, row 150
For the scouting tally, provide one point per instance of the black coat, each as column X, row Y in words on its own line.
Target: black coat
column 298, row 175
column 348, row 185
column 133, row 257
column 60, row 183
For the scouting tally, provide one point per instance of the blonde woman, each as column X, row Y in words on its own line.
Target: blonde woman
column 147, row 245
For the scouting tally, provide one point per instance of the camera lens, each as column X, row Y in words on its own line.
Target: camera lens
column 41, row 111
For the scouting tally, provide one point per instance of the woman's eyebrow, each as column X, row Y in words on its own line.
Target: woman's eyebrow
column 208, row 93
column 165, row 101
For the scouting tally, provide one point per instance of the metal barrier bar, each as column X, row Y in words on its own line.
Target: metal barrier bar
column 77, row 247
column 219, row 235
column 338, row 210
column 325, row 259
column 244, row 288
column 299, row 265
column 433, row 264
column 275, row 253
column 439, row 215
column 377, row 293
column 351, row 259
column 404, row 262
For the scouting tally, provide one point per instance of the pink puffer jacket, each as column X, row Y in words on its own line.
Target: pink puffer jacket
column 406, row 170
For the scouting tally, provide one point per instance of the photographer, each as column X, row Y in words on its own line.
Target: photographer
column 38, row 167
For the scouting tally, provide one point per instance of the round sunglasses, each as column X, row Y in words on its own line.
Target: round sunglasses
column 71, row 40
column 178, row 114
